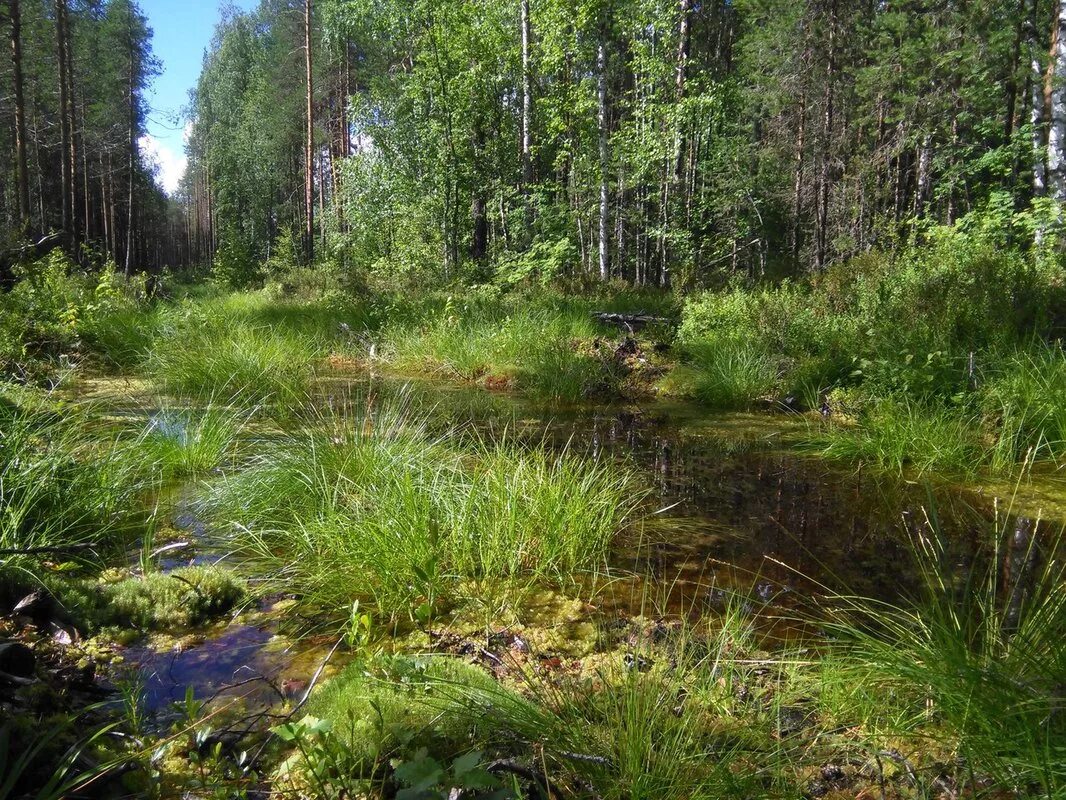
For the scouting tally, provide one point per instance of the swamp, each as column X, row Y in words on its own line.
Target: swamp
column 645, row 400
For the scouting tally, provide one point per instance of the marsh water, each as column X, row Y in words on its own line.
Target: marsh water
column 732, row 505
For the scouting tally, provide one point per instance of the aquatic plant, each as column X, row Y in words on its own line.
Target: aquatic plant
column 67, row 490
column 251, row 366
column 378, row 509
column 730, row 373
column 663, row 719
column 379, row 711
column 179, row 599
column 973, row 667
column 540, row 347
column 177, row 443
column 900, row 434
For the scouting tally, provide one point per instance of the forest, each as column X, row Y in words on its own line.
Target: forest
column 606, row 399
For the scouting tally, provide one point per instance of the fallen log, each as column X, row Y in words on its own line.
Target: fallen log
column 629, row 322
column 27, row 252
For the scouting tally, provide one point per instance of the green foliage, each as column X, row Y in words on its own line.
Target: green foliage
column 379, row 510
column 69, row 493
column 904, row 435
column 1024, row 396
column 975, row 665
column 643, row 724
column 56, row 310
column 235, row 263
column 730, row 373
column 179, row 444
column 254, row 365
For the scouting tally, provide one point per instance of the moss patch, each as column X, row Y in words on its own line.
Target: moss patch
column 182, row 598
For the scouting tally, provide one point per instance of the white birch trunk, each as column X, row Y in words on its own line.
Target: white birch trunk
column 1056, row 150
column 601, row 81
column 527, row 101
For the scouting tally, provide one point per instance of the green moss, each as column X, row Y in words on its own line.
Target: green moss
column 182, row 598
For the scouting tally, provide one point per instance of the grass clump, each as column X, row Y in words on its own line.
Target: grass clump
column 537, row 345
column 379, row 510
column 256, row 366
column 182, row 598
column 730, row 374
column 180, row 443
column 67, row 491
column 904, row 435
column 974, row 668
column 658, row 721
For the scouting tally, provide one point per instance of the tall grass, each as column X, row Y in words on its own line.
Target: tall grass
column 538, row 348
column 975, row 666
column 1025, row 397
column 905, row 435
column 731, row 374
column 66, row 490
column 177, row 443
column 252, row 365
column 378, row 510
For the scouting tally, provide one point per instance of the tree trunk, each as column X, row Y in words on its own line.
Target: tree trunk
column 601, row 119
column 22, row 171
column 309, row 144
column 67, row 179
column 821, row 248
column 527, row 101
column 681, row 69
column 1056, row 158
column 1036, row 108
column 132, row 150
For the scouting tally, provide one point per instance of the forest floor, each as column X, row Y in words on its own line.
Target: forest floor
column 266, row 543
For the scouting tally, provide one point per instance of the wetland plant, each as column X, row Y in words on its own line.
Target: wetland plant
column 249, row 365
column 164, row 601
column 67, row 490
column 730, row 373
column 901, row 434
column 378, row 509
column 974, row 668
column 179, row 443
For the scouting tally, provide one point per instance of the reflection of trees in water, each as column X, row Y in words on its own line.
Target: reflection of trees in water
column 1021, row 568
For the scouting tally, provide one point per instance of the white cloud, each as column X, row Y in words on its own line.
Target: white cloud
column 170, row 167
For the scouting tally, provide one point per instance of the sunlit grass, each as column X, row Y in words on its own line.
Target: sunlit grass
column 906, row 436
column 178, row 443
column 379, row 510
column 67, row 490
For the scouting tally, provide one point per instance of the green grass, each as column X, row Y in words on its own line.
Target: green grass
column 1025, row 396
column 67, row 490
column 379, row 510
column 245, row 365
column 677, row 726
column 974, row 667
column 179, row 443
column 542, row 348
column 123, row 339
column 907, row 436
column 730, row 374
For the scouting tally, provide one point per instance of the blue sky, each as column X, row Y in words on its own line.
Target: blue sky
column 181, row 30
